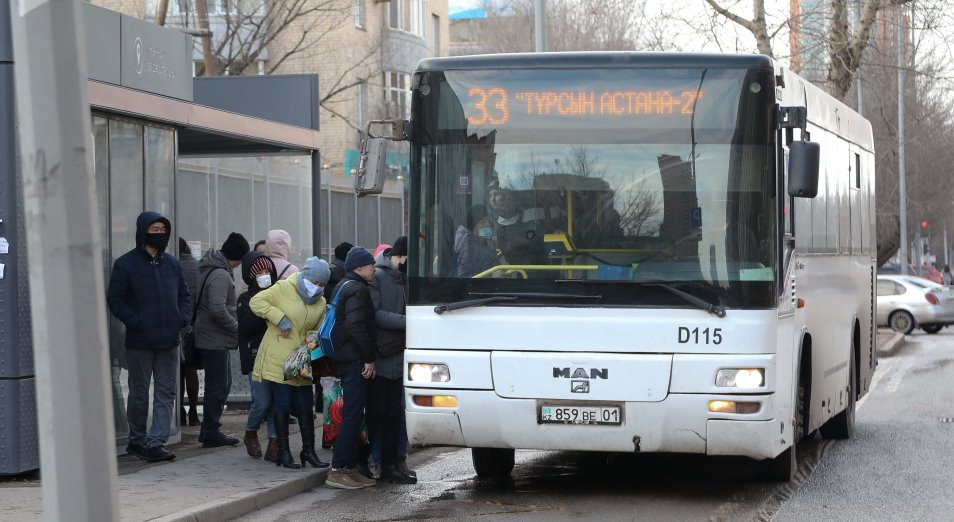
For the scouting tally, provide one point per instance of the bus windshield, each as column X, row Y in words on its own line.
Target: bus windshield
column 594, row 181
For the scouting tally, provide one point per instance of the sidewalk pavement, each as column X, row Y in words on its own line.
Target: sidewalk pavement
column 201, row 484
column 889, row 342
column 210, row 485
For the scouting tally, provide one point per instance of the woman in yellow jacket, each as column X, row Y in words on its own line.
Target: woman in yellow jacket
column 292, row 307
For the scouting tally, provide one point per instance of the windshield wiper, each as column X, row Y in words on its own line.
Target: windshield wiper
column 713, row 308
column 493, row 297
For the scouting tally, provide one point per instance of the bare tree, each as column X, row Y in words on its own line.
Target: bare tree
column 274, row 36
column 576, row 25
column 846, row 46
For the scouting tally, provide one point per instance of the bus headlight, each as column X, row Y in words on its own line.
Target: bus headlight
column 420, row 372
column 740, row 378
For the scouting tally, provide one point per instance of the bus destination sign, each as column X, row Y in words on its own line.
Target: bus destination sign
column 494, row 105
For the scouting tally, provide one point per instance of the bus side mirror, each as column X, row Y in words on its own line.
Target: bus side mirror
column 803, row 160
column 372, row 163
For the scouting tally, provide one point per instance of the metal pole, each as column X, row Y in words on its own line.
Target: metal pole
column 540, row 25
column 316, row 203
column 859, row 79
column 74, row 407
column 902, row 189
column 946, row 263
column 918, row 249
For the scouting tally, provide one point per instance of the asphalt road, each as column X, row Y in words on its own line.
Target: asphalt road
column 898, row 467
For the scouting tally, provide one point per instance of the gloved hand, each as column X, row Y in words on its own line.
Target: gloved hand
column 285, row 326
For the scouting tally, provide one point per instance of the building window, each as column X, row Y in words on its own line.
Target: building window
column 359, row 13
column 397, row 94
column 436, row 34
column 408, row 15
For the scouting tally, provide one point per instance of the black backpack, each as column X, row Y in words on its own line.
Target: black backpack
column 251, row 330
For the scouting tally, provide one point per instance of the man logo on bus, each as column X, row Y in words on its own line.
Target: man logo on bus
column 581, row 373
column 579, row 386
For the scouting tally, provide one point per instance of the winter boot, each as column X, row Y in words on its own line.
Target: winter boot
column 271, row 453
column 306, row 423
column 252, row 446
column 284, row 456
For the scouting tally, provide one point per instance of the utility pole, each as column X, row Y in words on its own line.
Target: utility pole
column 859, row 78
column 902, row 189
column 540, row 25
column 946, row 263
column 74, row 410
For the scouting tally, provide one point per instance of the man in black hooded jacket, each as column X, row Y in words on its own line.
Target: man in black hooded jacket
column 148, row 293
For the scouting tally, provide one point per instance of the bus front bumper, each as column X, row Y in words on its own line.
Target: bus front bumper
column 681, row 423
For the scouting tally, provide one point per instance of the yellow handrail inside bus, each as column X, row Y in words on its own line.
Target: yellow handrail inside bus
column 525, row 268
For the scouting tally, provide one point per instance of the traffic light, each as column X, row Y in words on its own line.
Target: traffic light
column 924, row 225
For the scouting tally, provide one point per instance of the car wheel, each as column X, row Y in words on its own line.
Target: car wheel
column 901, row 321
column 932, row 328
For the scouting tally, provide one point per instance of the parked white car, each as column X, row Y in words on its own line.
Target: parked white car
column 909, row 302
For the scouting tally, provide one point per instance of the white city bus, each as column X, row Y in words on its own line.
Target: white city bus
column 625, row 252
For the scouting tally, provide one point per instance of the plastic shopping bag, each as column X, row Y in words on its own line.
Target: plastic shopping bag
column 298, row 364
column 333, row 396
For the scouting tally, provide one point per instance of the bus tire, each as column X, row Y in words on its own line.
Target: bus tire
column 901, row 321
column 782, row 468
column 493, row 463
column 842, row 426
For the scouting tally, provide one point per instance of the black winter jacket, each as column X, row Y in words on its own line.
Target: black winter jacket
column 355, row 330
column 149, row 295
column 252, row 328
column 337, row 274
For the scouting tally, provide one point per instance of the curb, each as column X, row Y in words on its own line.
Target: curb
column 889, row 348
column 243, row 503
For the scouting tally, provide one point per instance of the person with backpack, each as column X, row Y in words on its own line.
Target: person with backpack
column 292, row 307
column 355, row 343
column 386, row 390
column 258, row 272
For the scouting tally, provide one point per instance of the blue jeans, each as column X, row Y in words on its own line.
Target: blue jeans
column 355, row 391
column 288, row 398
column 261, row 408
column 162, row 367
column 218, row 384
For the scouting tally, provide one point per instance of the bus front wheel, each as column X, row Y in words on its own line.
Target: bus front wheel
column 782, row 468
column 493, row 463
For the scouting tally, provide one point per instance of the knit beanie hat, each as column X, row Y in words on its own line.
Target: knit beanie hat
column 400, row 246
column 341, row 251
column 316, row 270
column 261, row 264
column 357, row 257
column 235, row 247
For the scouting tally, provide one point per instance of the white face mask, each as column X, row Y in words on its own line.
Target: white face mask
column 264, row 281
column 312, row 288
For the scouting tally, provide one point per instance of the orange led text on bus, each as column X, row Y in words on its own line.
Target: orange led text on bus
column 492, row 105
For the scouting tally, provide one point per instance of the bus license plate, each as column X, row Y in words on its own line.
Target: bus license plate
column 560, row 414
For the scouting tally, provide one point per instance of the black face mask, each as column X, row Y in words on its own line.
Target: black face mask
column 402, row 267
column 159, row 241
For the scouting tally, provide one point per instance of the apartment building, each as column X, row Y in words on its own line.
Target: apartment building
column 364, row 52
